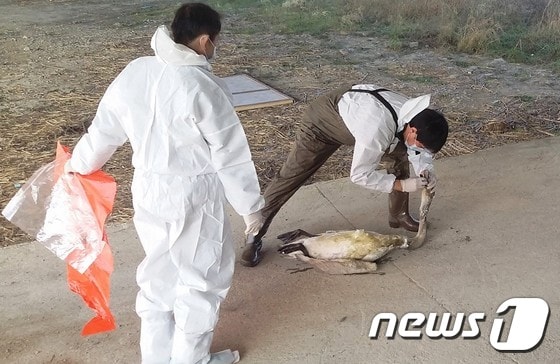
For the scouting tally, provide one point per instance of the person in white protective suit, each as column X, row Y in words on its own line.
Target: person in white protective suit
column 190, row 155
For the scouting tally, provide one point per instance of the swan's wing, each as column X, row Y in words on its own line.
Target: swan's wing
column 340, row 266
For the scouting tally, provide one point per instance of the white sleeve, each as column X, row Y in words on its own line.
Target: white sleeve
column 229, row 150
column 368, row 120
column 364, row 172
column 104, row 136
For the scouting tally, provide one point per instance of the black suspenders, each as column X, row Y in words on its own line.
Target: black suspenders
column 381, row 99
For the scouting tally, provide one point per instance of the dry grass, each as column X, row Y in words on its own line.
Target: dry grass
column 473, row 26
column 551, row 16
column 57, row 105
column 478, row 35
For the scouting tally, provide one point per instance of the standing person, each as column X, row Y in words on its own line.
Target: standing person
column 382, row 126
column 190, row 155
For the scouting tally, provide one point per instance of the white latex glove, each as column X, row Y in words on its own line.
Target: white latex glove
column 431, row 178
column 253, row 223
column 68, row 167
column 413, row 184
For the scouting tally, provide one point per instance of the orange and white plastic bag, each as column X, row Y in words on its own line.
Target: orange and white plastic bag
column 66, row 213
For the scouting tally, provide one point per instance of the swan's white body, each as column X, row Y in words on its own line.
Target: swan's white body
column 352, row 251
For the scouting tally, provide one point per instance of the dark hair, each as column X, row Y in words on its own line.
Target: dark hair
column 431, row 128
column 194, row 19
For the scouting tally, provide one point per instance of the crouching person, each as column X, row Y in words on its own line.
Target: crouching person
column 382, row 126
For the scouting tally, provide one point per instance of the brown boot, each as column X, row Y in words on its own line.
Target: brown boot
column 398, row 212
column 252, row 254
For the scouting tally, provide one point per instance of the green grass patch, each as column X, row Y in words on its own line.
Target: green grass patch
column 516, row 30
column 284, row 17
column 152, row 14
column 556, row 66
column 525, row 98
column 462, row 64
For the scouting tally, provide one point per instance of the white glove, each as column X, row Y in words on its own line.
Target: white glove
column 253, row 222
column 68, row 167
column 431, row 178
column 413, row 184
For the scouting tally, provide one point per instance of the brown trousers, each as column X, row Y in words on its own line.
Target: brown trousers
column 320, row 134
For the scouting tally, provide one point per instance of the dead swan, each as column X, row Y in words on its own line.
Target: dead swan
column 351, row 251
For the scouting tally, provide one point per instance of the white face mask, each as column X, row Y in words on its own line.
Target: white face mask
column 417, row 150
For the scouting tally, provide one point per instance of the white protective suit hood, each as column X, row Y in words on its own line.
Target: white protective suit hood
column 175, row 54
column 411, row 108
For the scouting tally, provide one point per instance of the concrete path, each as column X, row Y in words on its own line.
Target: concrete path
column 493, row 235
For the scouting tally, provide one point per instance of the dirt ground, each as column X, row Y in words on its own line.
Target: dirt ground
column 58, row 57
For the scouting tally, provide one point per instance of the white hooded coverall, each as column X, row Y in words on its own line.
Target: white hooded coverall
column 360, row 111
column 190, row 155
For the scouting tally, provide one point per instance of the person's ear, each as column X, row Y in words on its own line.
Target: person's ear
column 204, row 40
column 409, row 131
column 198, row 44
